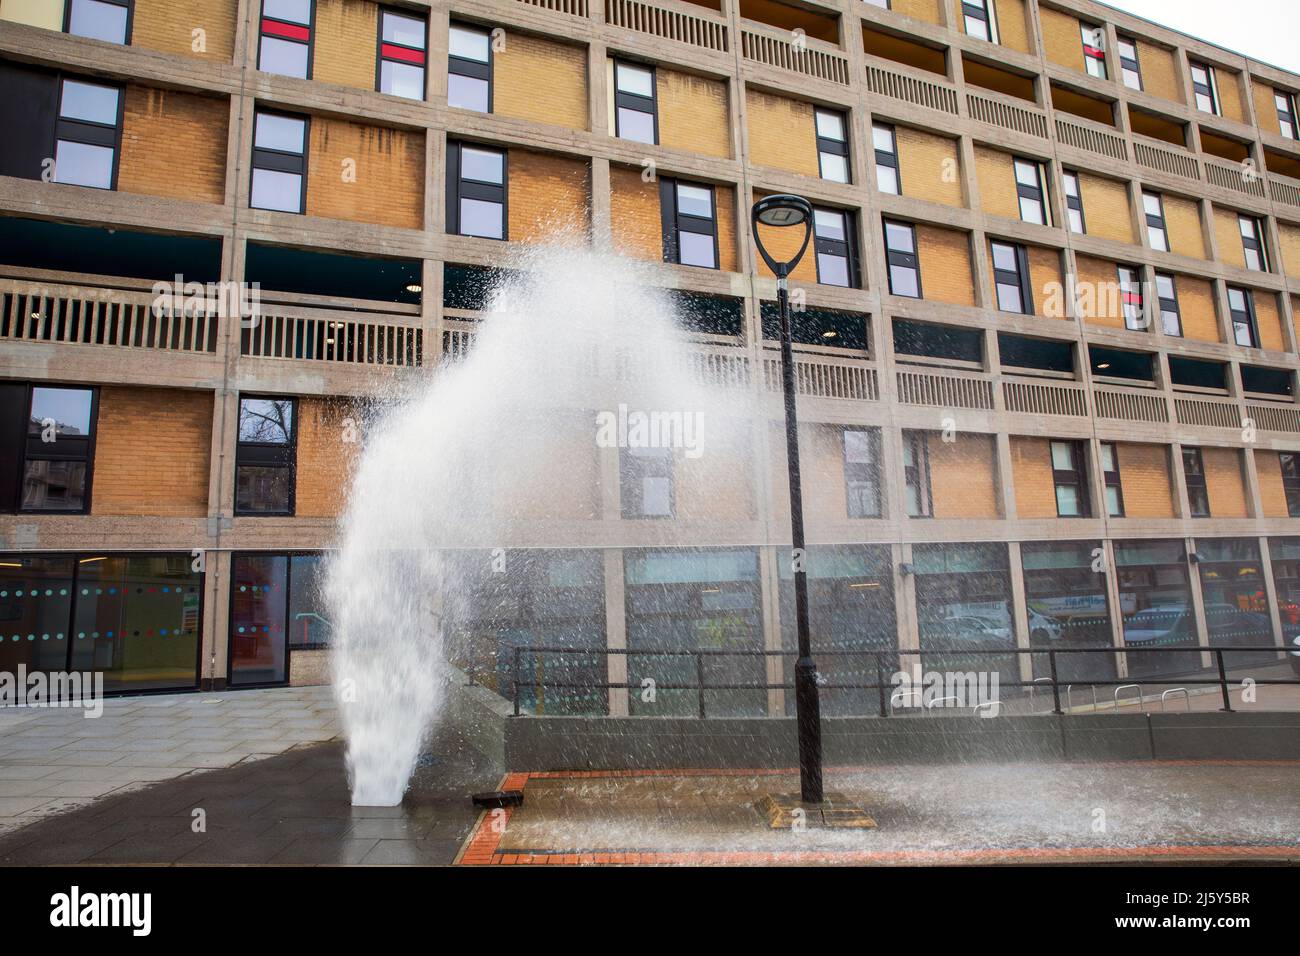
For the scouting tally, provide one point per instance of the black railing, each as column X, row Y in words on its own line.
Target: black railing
column 882, row 685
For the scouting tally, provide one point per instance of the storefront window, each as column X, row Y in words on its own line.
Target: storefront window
column 851, row 609
column 1067, row 608
column 963, row 603
column 707, row 600
column 1155, row 598
column 1285, row 555
column 35, row 607
column 1236, row 606
column 309, row 624
column 259, row 592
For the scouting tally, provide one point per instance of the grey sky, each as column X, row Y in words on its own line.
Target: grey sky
column 1267, row 30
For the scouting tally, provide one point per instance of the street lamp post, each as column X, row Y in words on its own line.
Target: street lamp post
column 785, row 211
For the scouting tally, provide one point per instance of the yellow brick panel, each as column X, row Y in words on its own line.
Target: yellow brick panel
column 693, row 113
column 1031, row 469
column 1265, row 107
column 1063, row 44
column 365, row 174
column 1272, row 493
column 1231, row 101
column 945, row 265
column 1183, row 223
column 996, row 174
column 927, row 10
column 550, row 197
column 540, row 80
column 344, row 43
column 35, row 13
column 152, row 448
column 1097, row 280
column 1223, row 482
column 1290, row 238
column 174, row 144
column 1196, row 305
column 1012, row 24
column 1160, row 76
column 634, row 214
column 1106, row 209
column 561, row 482
column 1044, row 276
column 717, row 486
column 782, row 133
column 724, row 197
column 962, row 476
column 325, row 457
column 1227, row 233
column 1269, row 321
column 929, row 167
column 1144, row 481
column 173, row 26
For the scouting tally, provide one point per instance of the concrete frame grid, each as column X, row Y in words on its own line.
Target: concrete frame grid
column 228, row 372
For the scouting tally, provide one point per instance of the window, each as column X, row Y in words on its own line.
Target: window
column 832, row 145
column 646, row 487
column 1074, row 202
column 885, row 141
column 980, row 22
column 690, row 224
column 1110, row 472
column 107, row 20
column 1094, row 50
column 1157, row 234
column 1207, row 96
column 275, row 607
column 882, row 4
column 862, row 472
column 1070, row 479
column 86, row 134
column 1241, row 306
column 1011, row 278
column 1167, row 294
column 1130, row 297
column 1129, row 67
column 904, row 264
column 916, row 474
column 476, row 191
column 1198, row 495
column 635, row 114
column 1030, row 180
column 279, row 162
column 1290, row 463
column 1286, row 120
column 265, row 456
column 403, row 41
column 47, row 436
column 835, row 246
column 469, row 68
column 286, row 37
column 1252, row 243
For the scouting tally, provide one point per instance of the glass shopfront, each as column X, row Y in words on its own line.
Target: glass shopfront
column 963, row 603
column 1067, row 608
column 687, row 601
column 135, row 618
column 276, row 606
column 851, row 609
column 1236, row 604
column 1155, row 597
column 1285, row 556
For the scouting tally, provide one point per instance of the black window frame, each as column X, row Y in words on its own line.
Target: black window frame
column 895, row 258
column 1290, row 480
column 1208, row 89
column 862, row 473
column 887, row 160
column 130, row 18
column 1156, row 220
column 1075, row 477
column 633, row 469
column 917, row 474
column 310, row 42
column 1135, row 318
column 459, row 188
column 268, row 455
column 1111, row 477
column 26, row 447
column 1073, row 203
column 474, row 69
column 846, row 248
column 1019, row 278
column 673, row 222
column 1169, row 304
column 88, row 132
column 1129, row 64
column 281, row 161
column 835, row 147
column 1254, row 242
column 1093, row 54
column 1286, row 114
column 1198, row 492
column 980, row 10
column 635, row 101
column 1036, row 193
column 381, row 59
column 1244, row 318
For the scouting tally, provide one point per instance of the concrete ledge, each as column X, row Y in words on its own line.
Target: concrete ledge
column 626, row 743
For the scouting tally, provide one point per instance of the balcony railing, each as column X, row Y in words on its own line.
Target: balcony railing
column 1130, row 404
column 945, row 389
column 574, row 8
column 1283, row 189
column 911, row 89
column 1209, row 413
column 1044, row 398
column 1006, row 114
column 695, row 27
column 826, row 376
column 1274, row 418
column 339, row 337
column 1227, row 176
column 1093, row 137
column 1165, row 158
column 809, row 57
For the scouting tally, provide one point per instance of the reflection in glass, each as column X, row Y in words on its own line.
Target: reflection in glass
column 257, row 638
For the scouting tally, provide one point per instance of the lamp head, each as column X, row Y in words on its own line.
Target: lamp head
column 780, row 211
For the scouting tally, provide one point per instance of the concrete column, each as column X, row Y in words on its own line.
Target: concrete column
column 1019, row 610
column 615, row 630
column 769, row 573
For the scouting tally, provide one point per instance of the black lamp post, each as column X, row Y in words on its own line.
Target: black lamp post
column 784, row 211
